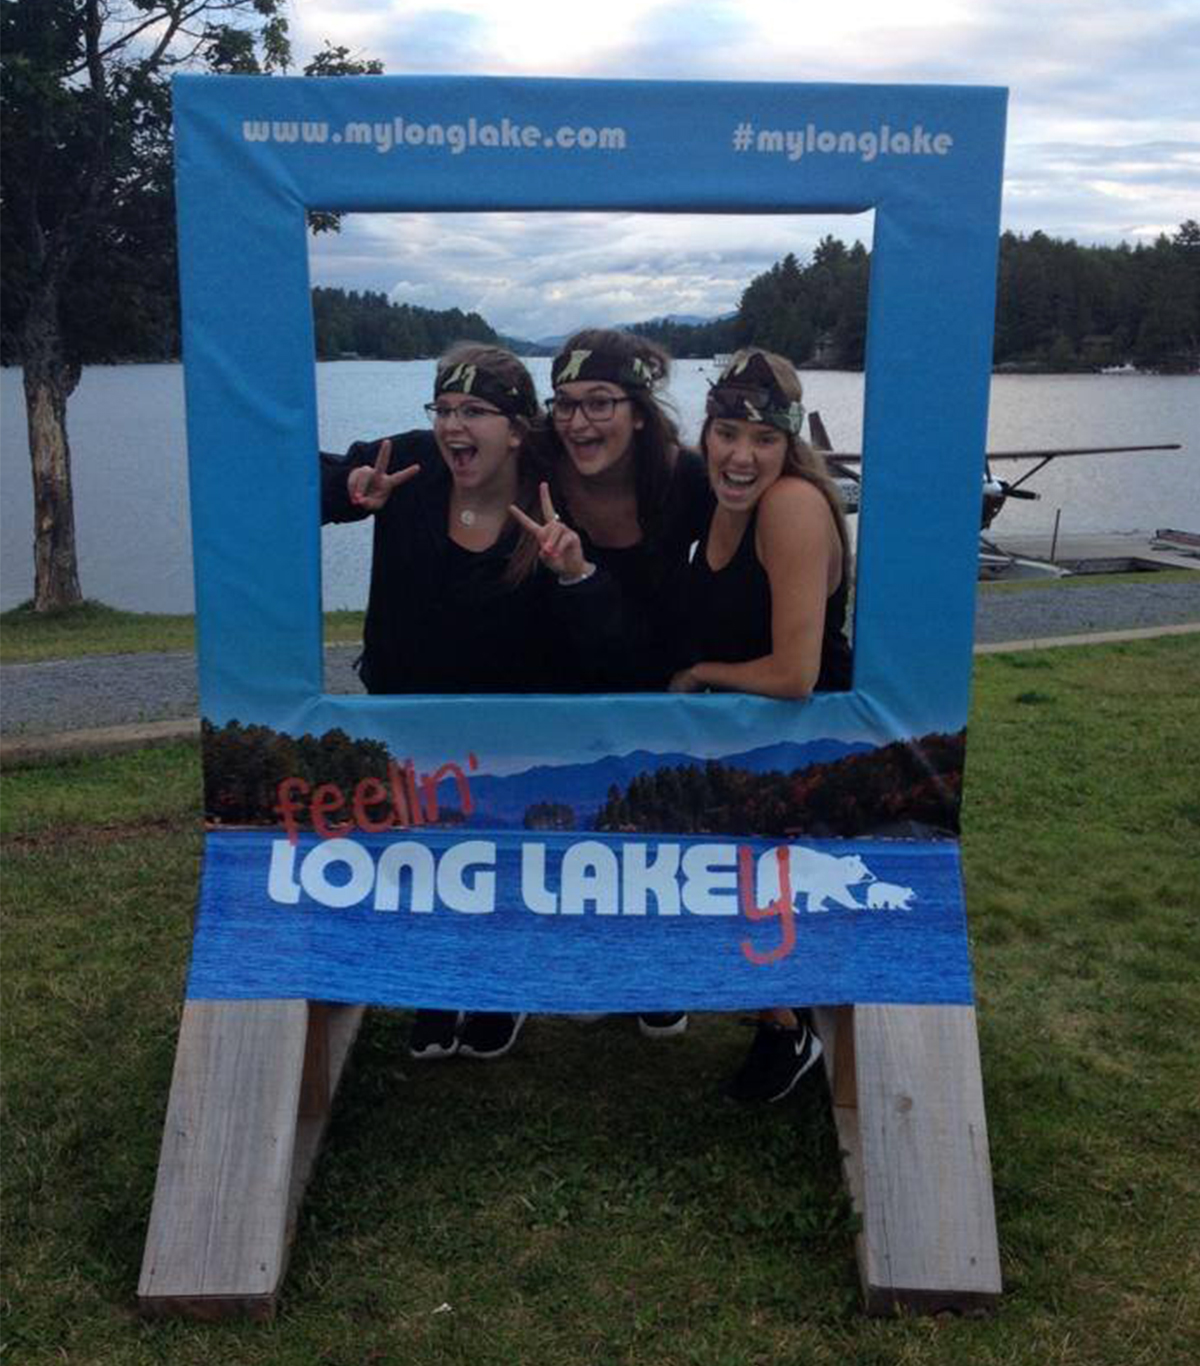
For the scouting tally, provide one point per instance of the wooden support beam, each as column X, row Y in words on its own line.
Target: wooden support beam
column 915, row 1154
column 314, row 1080
column 249, row 1104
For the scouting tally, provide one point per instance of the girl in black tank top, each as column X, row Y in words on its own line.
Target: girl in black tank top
column 766, row 604
column 728, row 613
column 767, row 588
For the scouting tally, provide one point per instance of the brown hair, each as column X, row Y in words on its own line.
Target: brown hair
column 523, row 559
column 656, row 441
column 801, row 461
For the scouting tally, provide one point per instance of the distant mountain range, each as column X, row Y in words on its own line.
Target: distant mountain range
column 584, row 787
column 550, row 346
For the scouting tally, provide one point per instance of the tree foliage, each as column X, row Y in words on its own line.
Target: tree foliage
column 1071, row 307
column 87, row 174
column 87, row 232
column 368, row 325
column 891, row 787
column 815, row 312
column 245, row 765
column 1059, row 306
column 549, row 816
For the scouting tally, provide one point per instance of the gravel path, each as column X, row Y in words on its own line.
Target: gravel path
column 113, row 690
column 1027, row 613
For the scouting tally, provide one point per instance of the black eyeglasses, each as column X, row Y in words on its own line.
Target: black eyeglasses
column 464, row 412
column 596, row 408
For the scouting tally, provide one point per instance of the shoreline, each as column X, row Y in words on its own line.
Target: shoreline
column 1007, row 369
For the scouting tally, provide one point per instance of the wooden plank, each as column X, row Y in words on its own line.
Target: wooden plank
column 217, row 1241
column 835, row 1025
column 339, row 1026
column 929, row 1226
column 843, row 1079
column 314, row 1080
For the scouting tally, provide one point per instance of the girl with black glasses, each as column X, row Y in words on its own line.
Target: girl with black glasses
column 459, row 602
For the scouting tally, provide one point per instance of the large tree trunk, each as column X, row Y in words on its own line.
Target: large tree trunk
column 49, row 381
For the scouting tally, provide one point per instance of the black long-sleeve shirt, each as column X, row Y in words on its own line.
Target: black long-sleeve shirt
column 442, row 619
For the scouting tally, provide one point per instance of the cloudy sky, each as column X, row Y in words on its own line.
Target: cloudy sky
column 1103, row 134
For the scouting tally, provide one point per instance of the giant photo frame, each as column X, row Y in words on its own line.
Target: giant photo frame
column 277, row 931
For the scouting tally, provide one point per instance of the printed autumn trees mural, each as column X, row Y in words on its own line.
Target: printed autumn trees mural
column 908, row 782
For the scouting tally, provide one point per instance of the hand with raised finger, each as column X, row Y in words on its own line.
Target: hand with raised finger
column 370, row 486
column 558, row 544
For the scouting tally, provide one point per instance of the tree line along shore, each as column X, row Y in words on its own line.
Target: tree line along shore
column 88, row 257
column 1060, row 308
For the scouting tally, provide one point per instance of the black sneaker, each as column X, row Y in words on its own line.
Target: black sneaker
column 434, row 1034
column 664, row 1025
column 777, row 1059
column 489, row 1034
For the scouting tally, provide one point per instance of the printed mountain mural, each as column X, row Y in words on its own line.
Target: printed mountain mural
column 824, row 787
column 585, row 788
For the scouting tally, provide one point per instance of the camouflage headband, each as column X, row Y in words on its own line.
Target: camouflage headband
column 484, row 384
column 629, row 372
column 749, row 391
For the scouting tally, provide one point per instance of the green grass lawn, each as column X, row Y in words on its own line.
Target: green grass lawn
column 28, row 637
column 588, row 1199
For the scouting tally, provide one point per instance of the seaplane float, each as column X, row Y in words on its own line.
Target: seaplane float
column 994, row 562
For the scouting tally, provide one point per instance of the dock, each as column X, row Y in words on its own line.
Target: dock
column 1120, row 552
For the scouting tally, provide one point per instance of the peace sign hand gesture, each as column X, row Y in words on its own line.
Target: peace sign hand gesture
column 370, row 486
column 559, row 546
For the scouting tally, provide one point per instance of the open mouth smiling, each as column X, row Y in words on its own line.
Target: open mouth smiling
column 462, row 457
column 739, row 480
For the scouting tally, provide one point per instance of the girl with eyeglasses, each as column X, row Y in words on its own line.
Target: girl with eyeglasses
column 458, row 602
column 766, row 603
column 638, row 500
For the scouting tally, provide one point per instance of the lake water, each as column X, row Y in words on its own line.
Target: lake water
column 126, row 427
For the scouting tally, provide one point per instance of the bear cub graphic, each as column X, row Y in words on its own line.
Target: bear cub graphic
column 887, row 896
column 817, row 879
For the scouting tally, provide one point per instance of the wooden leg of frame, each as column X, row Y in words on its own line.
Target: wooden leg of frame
column 249, row 1103
column 914, row 1140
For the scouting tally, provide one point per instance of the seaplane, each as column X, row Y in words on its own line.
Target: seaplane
column 994, row 562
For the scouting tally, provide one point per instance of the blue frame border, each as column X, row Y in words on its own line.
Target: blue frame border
column 248, row 340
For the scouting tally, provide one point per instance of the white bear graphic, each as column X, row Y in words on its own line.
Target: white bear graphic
column 887, row 896
column 815, row 876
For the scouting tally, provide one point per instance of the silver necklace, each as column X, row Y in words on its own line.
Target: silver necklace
column 466, row 516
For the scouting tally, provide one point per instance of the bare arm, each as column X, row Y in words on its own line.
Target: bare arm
column 797, row 543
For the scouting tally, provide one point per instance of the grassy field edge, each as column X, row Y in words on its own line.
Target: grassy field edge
column 589, row 1199
column 92, row 628
column 28, row 637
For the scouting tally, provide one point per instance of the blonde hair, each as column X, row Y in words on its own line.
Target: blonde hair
column 801, row 461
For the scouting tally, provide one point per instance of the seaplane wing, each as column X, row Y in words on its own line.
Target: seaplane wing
column 821, row 442
column 843, row 466
column 1052, row 453
column 840, row 465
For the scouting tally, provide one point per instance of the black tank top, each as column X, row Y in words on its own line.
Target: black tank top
column 729, row 613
